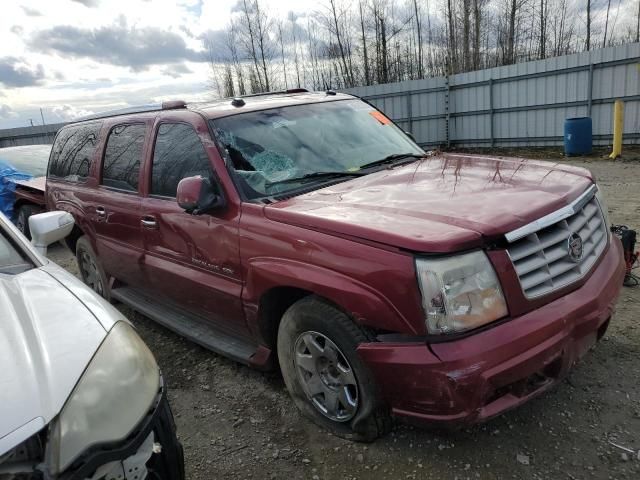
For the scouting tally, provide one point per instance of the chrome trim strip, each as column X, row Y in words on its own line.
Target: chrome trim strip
column 553, row 217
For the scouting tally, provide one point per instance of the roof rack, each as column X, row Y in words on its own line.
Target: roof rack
column 152, row 107
column 276, row 92
column 238, row 101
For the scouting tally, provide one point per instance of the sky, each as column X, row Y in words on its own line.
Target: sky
column 76, row 57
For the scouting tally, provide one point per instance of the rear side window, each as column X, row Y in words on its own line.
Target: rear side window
column 122, row 157
column 73, row 151
column 178, row 154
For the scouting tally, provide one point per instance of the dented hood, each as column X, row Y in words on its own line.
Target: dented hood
column 442, row 203
column 47, row 338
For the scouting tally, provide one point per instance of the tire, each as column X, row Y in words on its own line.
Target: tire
column 327, row 380
column 90, row 268
column 22, row 220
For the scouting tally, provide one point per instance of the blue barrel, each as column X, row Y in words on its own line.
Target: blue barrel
column 578, row 136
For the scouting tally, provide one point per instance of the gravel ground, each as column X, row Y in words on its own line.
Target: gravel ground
column 235, row 422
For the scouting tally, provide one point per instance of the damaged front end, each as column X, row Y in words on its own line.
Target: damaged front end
column 152, row 450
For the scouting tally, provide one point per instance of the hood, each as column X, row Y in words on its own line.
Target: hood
column 37, row 183
column 47, row 338
column 442, row 203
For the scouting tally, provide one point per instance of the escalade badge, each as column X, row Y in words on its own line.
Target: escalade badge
column 574, row 247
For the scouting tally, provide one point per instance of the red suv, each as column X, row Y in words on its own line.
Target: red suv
column 307, row 229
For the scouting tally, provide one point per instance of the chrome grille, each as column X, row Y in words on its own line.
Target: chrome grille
column 540, row 251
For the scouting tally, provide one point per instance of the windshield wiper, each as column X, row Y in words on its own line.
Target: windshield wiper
column 391, row 159
column 317, row 175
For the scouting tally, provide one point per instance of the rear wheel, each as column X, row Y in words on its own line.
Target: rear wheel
column 90, row 268
column 22, row 220
column 327, row 380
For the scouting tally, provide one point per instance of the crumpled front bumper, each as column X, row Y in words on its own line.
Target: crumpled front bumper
column 472, row 379
column 157, row 430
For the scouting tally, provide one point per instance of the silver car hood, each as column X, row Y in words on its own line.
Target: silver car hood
column 47, row 338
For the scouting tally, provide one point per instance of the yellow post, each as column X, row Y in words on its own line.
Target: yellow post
column 618, row 123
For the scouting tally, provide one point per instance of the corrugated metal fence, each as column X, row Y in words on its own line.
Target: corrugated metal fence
column 518, row 105
column 39, row 134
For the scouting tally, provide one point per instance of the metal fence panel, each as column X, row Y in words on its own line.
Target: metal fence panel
column 517, row 105
column 39, row 134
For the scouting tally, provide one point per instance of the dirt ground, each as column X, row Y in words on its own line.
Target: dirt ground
column 235, row 422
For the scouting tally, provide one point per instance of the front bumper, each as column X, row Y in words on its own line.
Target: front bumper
column 167, row 464
column 475, row 378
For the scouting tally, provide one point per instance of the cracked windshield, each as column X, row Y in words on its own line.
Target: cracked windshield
column 282, row 149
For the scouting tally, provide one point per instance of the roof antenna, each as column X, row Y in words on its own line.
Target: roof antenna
column 237, row 102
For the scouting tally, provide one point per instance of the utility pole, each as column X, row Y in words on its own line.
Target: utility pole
column 42, row 116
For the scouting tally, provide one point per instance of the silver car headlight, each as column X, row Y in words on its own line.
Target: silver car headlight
column 111, row 398
column 459, row 292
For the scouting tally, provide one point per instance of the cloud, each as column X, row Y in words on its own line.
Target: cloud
column 65, row 113
column 217, row 43
column 88, row 3
column 6, row 112
column 176, row 70
column 17, row 29
column 15, row 72
column 31, row 12
column 118, row 44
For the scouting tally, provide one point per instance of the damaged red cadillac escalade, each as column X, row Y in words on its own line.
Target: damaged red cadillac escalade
column 307, row 230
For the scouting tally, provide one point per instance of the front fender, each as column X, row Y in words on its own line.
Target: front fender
column 367, row 306
column 80, row 218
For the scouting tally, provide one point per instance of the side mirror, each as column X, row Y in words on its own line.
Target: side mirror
column 49, row 227
column 410, row 135
column 197, row 195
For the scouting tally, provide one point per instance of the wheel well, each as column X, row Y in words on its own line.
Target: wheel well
column 20, row 202
column 272, row 306
column 72, row 238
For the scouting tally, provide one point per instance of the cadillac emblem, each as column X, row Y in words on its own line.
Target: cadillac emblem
column 574, row 247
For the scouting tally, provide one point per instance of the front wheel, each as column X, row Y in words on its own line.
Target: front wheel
column 327, row 380
column 22, row 220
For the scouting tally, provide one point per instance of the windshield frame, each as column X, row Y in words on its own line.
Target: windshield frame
column 247, row 194
column 11, row 234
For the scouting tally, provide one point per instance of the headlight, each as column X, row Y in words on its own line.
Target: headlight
column 113, row 395
column 459, row 293
column 603, row 208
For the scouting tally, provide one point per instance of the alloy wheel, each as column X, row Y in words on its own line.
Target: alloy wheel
column 326, row 376
column 90, row 273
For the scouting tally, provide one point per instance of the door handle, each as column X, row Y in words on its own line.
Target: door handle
column 149, row 222
column 101, row 211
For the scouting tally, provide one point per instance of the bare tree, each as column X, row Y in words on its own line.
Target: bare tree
column 543, row 28
column 336, row 28
column 420, row 59
column 347, row 43
column 284, row 64
column 365, row 55
column 511, row 32
column 294, row 39
column 451, row 46
column 478, row 6
column 254, row 32
column 638, row 24
column 588, row 37
column 606, row 25
column 466, row 33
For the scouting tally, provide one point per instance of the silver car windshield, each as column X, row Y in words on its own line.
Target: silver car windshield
column 318, row 142
column 12, row 260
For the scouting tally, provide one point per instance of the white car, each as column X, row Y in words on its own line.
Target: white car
column 81, row 395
